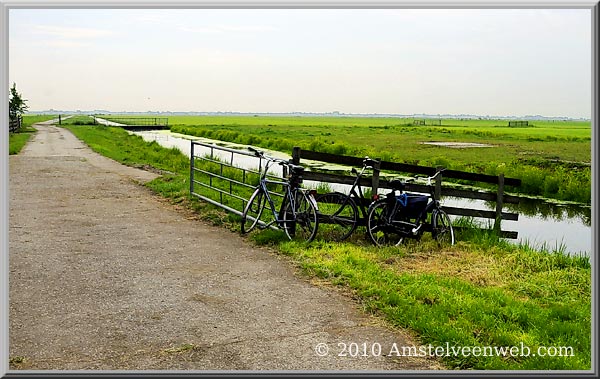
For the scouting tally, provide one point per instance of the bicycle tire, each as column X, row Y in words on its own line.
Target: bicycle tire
column 379, row 230
column 338, row 216
column 442, row 230
column 253, row 211
column 302, row 227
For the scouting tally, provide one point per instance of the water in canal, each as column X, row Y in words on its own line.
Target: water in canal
column 540, row 223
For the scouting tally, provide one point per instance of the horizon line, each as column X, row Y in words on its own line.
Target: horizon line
column 332, row 113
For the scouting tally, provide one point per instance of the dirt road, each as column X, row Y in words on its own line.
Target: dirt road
column 106, row 276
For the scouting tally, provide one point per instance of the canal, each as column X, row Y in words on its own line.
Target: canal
column 541, row 223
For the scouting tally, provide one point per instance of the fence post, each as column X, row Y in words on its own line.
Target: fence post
column 296, row 155
column 295, row 159
column 499, row 202
column 59, row 120
column 437, row 195
column 375, row 178
column 191, row 167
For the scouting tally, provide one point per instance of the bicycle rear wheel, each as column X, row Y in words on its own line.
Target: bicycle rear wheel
column 381, row 232
column 253, row 210
column 301, row 223
column 338, row 216
column 442, row 230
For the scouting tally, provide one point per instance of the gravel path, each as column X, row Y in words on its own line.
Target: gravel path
column 104, row 275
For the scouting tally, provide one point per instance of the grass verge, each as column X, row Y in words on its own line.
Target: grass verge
column 17, row 140
column 481, row 292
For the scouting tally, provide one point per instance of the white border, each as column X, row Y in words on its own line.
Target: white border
column 5, row 6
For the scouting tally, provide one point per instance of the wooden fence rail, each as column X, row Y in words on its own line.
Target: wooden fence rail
column 375, row 183
column 205, row 184
column 14, row 124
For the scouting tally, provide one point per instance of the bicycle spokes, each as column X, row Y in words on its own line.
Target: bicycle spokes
column 442, row 228
column 300, row 219
column 380, row 227
column 338, row 216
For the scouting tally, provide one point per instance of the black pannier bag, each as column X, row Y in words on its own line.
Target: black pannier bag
column 412, row 205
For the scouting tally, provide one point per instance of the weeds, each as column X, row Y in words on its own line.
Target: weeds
column 180, row 349
column 17, row 360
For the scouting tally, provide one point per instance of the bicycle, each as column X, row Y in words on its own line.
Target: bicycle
column 395, row 217
column 297, row 214
column 338, row 212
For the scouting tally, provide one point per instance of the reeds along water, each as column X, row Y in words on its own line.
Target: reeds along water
column 541, row 223
column 544, row 225
column 540, row 178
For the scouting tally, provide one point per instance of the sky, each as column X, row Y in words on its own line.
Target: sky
column 502, row 62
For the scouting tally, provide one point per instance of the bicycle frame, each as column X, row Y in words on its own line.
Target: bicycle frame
column 291, row 189
column 358, row 195
column 392, row 218
column 289, row 197
column 421, row 220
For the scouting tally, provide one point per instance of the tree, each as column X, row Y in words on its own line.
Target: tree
column 16, row 104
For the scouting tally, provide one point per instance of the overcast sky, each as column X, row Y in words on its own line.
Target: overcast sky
column 404, row 61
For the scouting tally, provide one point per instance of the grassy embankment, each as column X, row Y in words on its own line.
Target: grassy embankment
column 551, row 158
column 16, row 141
column 481, row 292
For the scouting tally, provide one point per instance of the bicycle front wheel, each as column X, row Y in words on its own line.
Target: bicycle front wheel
column 253, row 210
column 301, row 223
column 338, row 216
column 381, row 232
column 442, row 230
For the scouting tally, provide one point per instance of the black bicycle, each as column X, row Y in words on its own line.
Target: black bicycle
column 297, row 214
column 339, row 212
column 401, row 215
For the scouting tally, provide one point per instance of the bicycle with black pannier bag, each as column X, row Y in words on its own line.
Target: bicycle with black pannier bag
column 400, row 215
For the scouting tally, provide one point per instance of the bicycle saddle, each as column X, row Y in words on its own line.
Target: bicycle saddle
column 396, row 185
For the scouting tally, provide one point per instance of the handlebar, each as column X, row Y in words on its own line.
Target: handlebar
column 369, row 163
column 427, row 178
column 261, row 154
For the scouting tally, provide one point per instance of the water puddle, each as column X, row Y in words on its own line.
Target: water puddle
column 457, row 145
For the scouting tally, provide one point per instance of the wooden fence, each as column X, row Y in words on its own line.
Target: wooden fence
column 14, row 124
column 222, row 190
column 375, row 183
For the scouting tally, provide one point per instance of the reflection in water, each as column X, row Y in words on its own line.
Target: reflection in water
column 557, row 227
column 540, row 223
column 545, row 210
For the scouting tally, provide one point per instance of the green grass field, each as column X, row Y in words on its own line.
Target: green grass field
column 481, row 292
column 551, row 158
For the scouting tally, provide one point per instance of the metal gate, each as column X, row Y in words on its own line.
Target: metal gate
column 226, row 177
